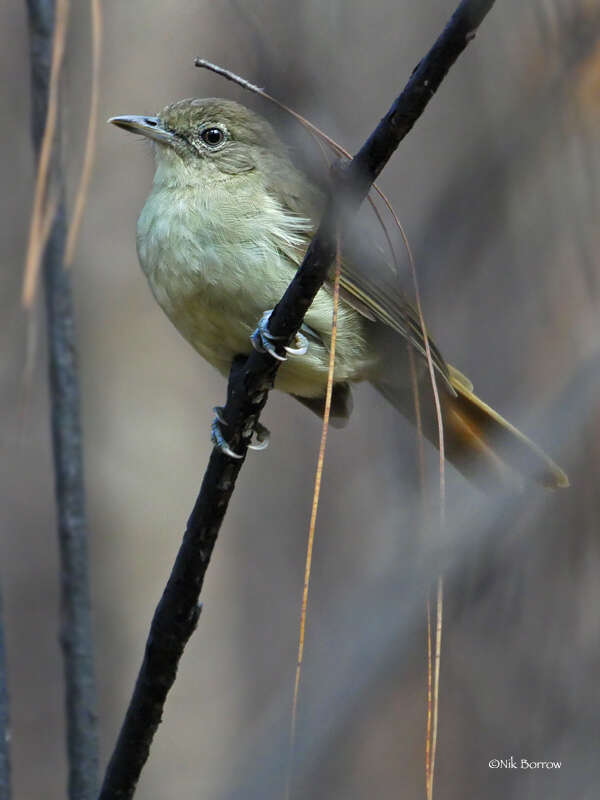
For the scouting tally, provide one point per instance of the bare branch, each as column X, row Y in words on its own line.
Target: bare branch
column 76, row 625
column 250, row 380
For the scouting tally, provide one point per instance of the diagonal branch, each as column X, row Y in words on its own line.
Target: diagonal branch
column 251, row 378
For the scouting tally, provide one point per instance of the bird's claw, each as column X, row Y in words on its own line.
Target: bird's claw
column 301, row 346
column 218, row 412
column 216, row 434
column 260, row 437
column 265, row 342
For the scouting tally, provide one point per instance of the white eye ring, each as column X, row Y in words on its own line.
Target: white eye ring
column 213, row 137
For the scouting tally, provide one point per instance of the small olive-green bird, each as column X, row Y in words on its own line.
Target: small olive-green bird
column 225, row 227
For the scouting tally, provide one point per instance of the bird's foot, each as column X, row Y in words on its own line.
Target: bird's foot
column 264, row 341
column 216, row 434
column 260, row 437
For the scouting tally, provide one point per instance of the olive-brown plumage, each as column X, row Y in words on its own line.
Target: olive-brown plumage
column 225, row 226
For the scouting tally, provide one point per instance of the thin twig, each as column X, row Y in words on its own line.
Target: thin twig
column 76, row 625
column 250, row 380
column 5, row 787
column 436, row 682
column 429, row 717
column 90, row 142
column 319, row 135
column 37, row 242
column 313, row 521
column 432, row 713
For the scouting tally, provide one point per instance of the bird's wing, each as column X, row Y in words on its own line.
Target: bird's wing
column 367, row 282
column 391, row 308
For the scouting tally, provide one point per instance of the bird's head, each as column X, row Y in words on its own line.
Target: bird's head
column 206, row 135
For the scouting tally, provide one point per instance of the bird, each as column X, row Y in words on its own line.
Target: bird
column 222, row 232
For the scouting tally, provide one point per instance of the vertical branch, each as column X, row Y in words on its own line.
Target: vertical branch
column 4, row 719
column 76, row 624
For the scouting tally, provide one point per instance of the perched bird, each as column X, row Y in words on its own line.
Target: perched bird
column 226, row 225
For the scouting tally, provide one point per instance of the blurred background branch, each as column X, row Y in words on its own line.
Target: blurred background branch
column 76, row 619
column 5, row 789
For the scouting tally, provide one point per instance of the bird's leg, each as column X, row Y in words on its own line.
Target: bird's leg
column 260, row 435
column 264, row 341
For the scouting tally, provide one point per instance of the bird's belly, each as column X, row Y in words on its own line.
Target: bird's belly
column 219, row 327
column 215, row 297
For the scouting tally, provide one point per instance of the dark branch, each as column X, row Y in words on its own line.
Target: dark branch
column 4, row 719
column 250, row 380
column 76, row 618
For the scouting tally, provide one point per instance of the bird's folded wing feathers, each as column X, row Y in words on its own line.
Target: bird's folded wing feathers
column 377, row 300
column 385, row 303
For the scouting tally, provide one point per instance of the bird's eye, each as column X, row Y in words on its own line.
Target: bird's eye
column 212, row 136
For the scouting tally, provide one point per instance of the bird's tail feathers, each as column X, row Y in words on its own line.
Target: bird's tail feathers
column 478, row 441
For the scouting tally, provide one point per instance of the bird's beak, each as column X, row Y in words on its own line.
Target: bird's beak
column 146, row 126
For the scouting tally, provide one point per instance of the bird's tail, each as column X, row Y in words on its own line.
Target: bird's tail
column 481, row 444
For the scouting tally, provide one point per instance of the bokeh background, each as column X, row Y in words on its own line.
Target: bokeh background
column 497, row 187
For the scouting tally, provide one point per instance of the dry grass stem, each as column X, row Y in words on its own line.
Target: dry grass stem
column 90, row 142
column 40, row 218
column 313, row 519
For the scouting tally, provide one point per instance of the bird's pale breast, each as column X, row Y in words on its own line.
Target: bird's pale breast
column 215, row 266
